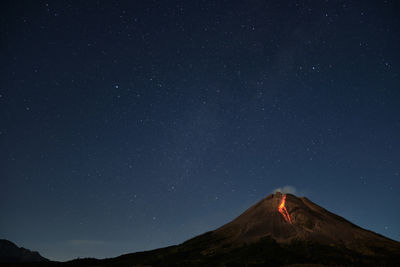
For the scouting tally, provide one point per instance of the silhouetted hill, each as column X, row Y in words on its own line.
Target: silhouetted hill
column 9, row 252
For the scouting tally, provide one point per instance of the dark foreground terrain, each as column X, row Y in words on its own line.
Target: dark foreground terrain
column 9, row 252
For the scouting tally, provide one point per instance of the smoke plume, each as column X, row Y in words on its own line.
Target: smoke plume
column 287, row 189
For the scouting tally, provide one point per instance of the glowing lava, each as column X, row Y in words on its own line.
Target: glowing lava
column 282, row 209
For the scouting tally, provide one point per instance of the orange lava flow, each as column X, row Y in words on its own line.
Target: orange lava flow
column 282, row 209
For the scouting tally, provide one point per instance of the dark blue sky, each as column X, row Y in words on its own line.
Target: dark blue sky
column 132, row 125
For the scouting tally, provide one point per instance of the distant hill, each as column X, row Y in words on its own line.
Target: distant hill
column 9, row 252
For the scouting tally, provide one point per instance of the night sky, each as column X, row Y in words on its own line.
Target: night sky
column 133, row 125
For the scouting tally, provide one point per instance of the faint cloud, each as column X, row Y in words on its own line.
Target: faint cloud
column 287, row 189
column 85, row 242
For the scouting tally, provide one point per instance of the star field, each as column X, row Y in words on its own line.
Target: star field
column 127, row 126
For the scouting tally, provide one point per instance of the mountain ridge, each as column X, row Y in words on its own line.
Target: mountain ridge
column 10, row 252
column 310, row 223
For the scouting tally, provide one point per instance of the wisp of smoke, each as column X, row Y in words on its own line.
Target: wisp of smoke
column 287, row 189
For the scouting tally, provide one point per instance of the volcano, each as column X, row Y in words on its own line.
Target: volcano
column 303, row 221
column 279, row 230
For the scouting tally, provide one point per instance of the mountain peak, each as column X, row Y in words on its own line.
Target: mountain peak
column 287, row 218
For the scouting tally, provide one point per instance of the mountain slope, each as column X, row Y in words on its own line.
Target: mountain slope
column 309, row 222
column 9, row 252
